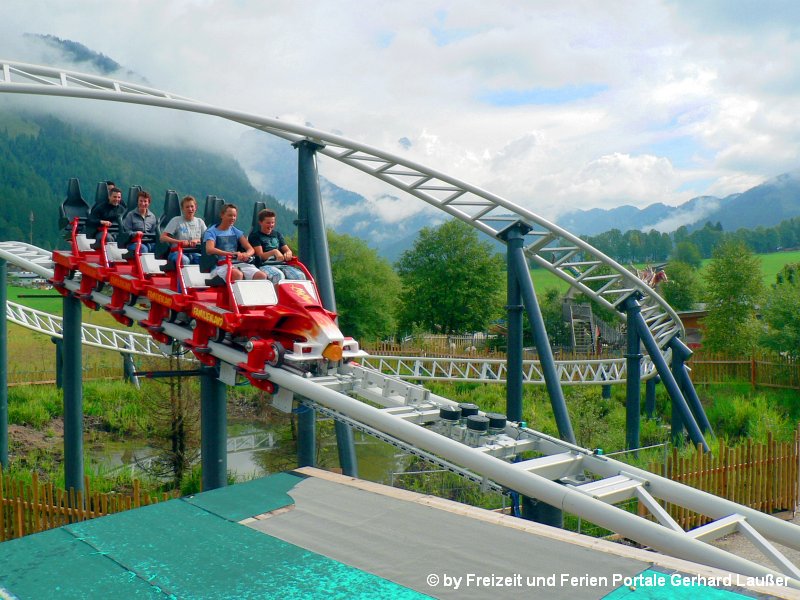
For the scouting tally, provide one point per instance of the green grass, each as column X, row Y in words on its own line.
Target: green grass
column 771, row 264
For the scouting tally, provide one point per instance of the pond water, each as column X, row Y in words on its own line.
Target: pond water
column 255, row 450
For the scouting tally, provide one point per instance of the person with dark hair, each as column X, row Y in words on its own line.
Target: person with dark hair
column 186, row 231
column 225, row 240
column 142, row 219
column 108, row 213
column 269, row 245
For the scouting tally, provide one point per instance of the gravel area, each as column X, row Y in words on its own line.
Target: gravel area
column 738, row 544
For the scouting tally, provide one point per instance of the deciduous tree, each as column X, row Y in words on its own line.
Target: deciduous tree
column 733, row 291
column 452, row 281
column 366, row 288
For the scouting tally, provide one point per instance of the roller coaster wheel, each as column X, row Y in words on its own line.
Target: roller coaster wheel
column 280, row 352
column 132, row 300
column 173, row 316
column 219, row 336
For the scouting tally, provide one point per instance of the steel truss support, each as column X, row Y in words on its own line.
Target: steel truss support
column 678, row 401
column 73, row 394
column 519, row 266
column 313, row 247
column 213, row 430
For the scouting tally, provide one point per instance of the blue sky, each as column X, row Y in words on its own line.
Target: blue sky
column 575, row 104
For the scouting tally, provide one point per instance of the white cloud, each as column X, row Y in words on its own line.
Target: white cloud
column 724, row 79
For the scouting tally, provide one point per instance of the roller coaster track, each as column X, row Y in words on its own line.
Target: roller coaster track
column 570, row 372
column 565, row 255
column 574, row 372
column 568, row 477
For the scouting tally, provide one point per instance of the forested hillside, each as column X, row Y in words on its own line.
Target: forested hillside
column 38, row 155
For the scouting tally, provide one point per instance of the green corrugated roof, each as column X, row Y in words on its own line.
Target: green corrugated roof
column 186, row 548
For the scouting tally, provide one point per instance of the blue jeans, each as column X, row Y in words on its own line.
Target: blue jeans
column 192, row 258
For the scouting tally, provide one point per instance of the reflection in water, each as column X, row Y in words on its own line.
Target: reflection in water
column 256, row 450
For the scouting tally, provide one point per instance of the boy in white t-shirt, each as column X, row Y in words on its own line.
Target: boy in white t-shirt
column 186, row 231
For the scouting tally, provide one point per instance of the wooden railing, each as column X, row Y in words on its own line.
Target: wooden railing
column 33, row 507
column 761, row 476
column 759, row 369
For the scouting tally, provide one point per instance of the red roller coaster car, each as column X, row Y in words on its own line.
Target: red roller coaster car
column 275, row 323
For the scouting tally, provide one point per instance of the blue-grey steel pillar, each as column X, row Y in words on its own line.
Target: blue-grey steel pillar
column 633, row 377
column 669, row 381
column 313, row 244
column 542, row 342
column 681, row 353
column 73, row 394
column 518, row 266
column 650, row 396
column 306, row 437
column 59, row 344
column 129, row 369
column 514, row 237
column 3, row 364
column 213, row 430
column 677, row 428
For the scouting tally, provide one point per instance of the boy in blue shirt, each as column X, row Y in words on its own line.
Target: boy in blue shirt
column 225, row 240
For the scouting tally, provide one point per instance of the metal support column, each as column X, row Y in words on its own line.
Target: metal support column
column 73, row 394
column 542, row 342
column 633, row 377
column 59, row 344
column 650, row 396
column 313, row 245
column 306, row 437
column 3, row 364
column 514, row 237
column 129, row 369
column 213, row 430
column 678, row 401
column 680, row 354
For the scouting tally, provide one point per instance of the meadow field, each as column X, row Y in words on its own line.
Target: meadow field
column 771, row 264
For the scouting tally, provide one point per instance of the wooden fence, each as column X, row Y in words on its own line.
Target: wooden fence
column 33, row 507
column 764, row 477
column 760, row 369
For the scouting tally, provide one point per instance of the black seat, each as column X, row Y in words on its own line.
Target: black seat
column 172, row 209
column 257, row 208
column 73, row 206
column 213, row 207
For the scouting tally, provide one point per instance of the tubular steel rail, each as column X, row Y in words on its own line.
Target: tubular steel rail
column 565, row 255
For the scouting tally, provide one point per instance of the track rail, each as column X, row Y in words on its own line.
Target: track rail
column 583, row 267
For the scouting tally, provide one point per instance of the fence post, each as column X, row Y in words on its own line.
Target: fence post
column 753, row 370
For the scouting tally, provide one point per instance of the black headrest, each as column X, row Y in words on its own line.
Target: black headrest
column 73, row 205
column 172, row 207
column 214, row 205
column 257, row 208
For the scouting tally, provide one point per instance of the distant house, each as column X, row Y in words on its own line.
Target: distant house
column 693, row 324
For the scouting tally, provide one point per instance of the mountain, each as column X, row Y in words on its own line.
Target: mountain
column 38, row 155
column 384, row 222
column 765, row 205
